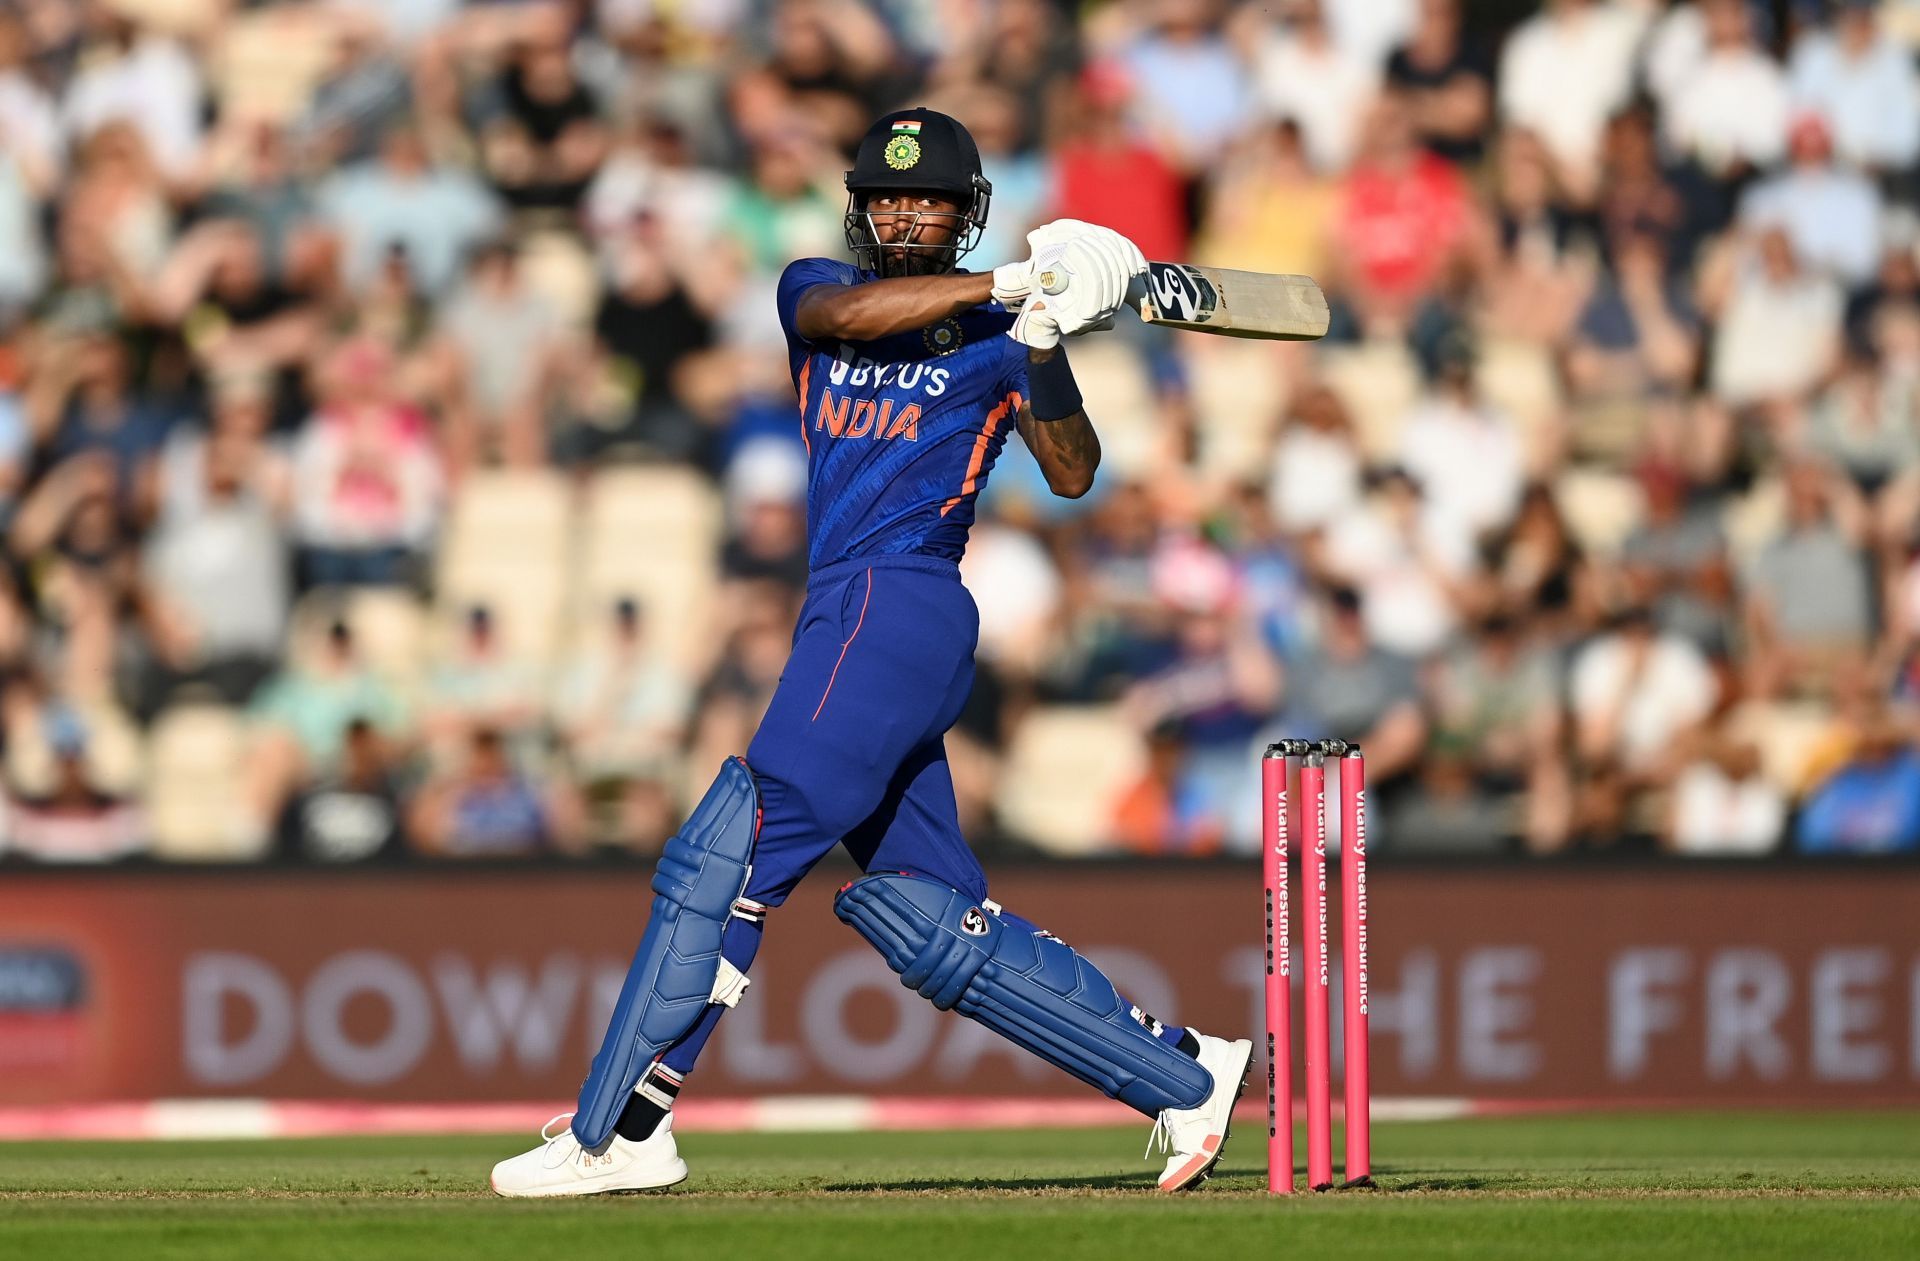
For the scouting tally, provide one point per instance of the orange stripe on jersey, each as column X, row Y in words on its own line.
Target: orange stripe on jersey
column 806, row 370
column 1011, row 403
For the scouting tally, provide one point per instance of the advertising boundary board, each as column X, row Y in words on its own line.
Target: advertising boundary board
column 1590, row 985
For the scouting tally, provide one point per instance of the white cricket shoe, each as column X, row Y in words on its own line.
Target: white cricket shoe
column 1195, row 1137
column 560, row 1166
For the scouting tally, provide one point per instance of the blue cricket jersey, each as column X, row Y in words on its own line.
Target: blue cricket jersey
column 901, row 432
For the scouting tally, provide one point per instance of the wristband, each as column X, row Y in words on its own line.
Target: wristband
column 1056, row 395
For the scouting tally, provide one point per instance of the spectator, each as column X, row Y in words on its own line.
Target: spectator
column 362, row 95
column 367, row 479
column 1464, row 451
column 1218, row 688
column 1403, row 215
column 1862, row 83
column 481, row 683
column 1730, row 115
column 74, row 820
column 1866, row 423
column 651, row 327
column 1810, row 596
column 503, row 340
column 1639, row 335
column 1445, row 811
column 1269, row 211
column 1412, row 566
column 1675, row 561
column 1160, row 813
column 29, row 116
column 1871, row 805
column 1636, row 691
column 83, row 402
column 402, row 203
column 1675, row 47
column 1317, row 464
column 1017, row 589
column 216, row 566
column 650, row 176
column 76, row 540
column 1778, row 323
column 1022, row 176
column 542, row 139
column 487, row 809
column 1447, row 79
column 622, row 714
column 349, row 815
column 302, row 717
column 767, row 502
column 1563, row 73
column 1830, row 213
column 1190, row 90
column 139, row 78
column 1496, row 715
column 1303, row 75
column 1106, row 175
column 784, row 210
column 1722, row 804
column 1348, row 689
column 735, row 693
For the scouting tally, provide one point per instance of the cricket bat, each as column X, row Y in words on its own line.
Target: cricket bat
column 1225, row 302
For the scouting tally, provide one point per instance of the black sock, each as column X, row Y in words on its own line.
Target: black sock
column 639, row 1118
column 649, row 1103
column 1189, row 1044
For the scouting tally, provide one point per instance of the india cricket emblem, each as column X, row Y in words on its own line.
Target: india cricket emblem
column 903, row 151
column 942, row 338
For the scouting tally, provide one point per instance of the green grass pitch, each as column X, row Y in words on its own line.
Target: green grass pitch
column 1749, row 1185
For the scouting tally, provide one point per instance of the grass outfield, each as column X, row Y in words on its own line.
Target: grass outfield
column 1693, row 1185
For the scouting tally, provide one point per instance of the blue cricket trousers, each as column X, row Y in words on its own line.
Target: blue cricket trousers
column 851, row 749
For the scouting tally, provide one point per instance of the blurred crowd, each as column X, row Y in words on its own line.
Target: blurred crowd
column 397, row 456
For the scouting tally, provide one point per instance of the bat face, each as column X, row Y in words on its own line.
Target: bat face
column 1232, row 303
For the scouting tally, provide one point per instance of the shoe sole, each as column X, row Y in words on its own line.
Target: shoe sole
column 578, row 1189
column 1191, row 1177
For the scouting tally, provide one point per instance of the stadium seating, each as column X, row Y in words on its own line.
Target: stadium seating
column 1065, row 768
column 194, row 786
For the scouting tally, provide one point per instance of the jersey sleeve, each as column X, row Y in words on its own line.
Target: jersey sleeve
column 801, row 275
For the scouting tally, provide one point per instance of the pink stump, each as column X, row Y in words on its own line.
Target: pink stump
column 1273, row 874
column 1313, row 876
column 1353, row 961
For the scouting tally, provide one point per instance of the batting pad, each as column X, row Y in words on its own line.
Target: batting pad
column 702, row 871
column 1032, row 989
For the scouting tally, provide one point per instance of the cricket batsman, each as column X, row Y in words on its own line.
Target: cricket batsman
column 910, row 373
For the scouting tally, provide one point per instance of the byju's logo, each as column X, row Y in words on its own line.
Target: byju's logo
column 43, row 1000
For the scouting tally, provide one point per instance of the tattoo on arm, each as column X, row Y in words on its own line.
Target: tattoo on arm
column 1067, row 449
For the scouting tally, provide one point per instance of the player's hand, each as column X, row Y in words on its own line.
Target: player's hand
column 1036, row 326
column 1084, row 280
column 1117, row 257
column 1013, row 284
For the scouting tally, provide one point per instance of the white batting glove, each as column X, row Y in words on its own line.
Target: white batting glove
column 1013, row 284
column 1084, row 280
column 1036, row 326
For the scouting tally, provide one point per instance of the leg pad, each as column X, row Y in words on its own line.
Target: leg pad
column 1031, row 988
